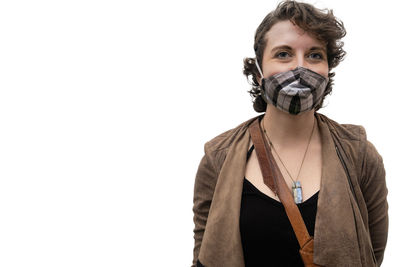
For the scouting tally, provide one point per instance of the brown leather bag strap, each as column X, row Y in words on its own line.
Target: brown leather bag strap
column 259, row 146
column 274, row 180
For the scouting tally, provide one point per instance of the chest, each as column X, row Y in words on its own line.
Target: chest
column 290, row 164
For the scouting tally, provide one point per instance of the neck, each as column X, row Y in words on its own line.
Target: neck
column 286, row 129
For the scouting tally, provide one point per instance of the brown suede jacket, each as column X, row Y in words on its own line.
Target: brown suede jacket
column 351, row 224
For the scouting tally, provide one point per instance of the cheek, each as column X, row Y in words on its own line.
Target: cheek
column 270, row 67
column 272, row 70
column 325, row 73
column 322, row 70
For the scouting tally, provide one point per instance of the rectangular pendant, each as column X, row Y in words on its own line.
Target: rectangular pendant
column 297, row 192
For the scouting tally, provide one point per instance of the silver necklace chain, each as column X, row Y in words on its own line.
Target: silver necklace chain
column 305, row 153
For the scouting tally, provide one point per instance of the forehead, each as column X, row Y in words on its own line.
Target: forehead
column 286, row 33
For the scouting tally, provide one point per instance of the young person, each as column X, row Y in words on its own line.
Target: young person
column 339, row 175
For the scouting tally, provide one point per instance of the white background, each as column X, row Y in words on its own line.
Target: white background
column 105, row 107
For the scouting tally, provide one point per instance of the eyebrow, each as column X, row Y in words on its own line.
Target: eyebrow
column 286, row 47
column 283, row 47
column 318, row 48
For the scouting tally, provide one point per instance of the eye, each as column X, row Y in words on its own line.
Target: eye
column 282, row 55
column 316, row 55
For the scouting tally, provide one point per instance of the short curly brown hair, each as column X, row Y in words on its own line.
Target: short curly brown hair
column 320, row 23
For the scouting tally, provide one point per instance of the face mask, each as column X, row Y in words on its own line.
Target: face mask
column 294, row 91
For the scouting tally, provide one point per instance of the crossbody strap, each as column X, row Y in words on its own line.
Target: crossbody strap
column 273, row 178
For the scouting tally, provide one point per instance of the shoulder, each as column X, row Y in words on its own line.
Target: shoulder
column 353, row 139
column 216, row 149
column 224, row 140
column 351, row 132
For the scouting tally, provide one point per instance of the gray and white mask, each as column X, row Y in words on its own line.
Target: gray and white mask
column 294, row 91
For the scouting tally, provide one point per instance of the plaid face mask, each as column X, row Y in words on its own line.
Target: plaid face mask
column 294, row 91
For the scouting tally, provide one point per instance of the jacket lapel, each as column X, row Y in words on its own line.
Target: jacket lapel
column 221, row 245
column 335, row 235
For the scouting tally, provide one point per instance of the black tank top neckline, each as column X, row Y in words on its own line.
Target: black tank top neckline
column 266, row 233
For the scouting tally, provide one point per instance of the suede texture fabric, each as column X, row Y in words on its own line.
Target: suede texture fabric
column 351, row 223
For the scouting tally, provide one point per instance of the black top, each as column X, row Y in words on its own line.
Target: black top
column 267, row 236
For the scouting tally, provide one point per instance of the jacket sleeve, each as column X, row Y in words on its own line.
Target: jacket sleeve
column 373, row 186
column 204, row 185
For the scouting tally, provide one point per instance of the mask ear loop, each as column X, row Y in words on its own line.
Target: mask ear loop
column 259, row 69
